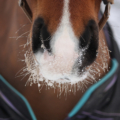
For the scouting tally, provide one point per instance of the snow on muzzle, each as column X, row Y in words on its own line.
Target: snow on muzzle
column 60, row 63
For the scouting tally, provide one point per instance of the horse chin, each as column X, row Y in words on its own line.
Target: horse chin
column 59, row 68
column 68, row 78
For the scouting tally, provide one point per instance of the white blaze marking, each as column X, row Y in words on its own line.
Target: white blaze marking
column 64, row 40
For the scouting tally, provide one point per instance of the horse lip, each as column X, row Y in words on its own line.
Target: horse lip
column 66, row 78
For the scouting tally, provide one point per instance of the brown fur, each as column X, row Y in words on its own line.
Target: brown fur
column 50, row 11
column 81, row 12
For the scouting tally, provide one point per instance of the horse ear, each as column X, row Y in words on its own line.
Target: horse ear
column 106, row 13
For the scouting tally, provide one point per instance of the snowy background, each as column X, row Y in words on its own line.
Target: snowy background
column 114, row 19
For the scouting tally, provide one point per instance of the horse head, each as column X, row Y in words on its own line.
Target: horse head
column 65, row 40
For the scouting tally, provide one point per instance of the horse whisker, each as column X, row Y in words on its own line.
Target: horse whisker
column 22, row 35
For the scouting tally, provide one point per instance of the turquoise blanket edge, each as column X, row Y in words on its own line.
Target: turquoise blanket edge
column 87, row 94
column 22, row 97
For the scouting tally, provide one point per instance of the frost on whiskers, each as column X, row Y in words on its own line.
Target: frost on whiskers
column 33, row 70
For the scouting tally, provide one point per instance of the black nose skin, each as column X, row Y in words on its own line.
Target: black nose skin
column 40, row 34
column 89, row 38
column 36, row 42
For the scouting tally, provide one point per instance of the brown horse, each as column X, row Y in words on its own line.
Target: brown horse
column 72, row 26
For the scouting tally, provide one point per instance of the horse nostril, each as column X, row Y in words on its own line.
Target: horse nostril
column 36, row 42
column 90, row 34
column 45, row 38
column 40, row 36
column 89, row 43
column 85, row 38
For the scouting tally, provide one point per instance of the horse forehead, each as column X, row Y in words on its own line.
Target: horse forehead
column 52, row 12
